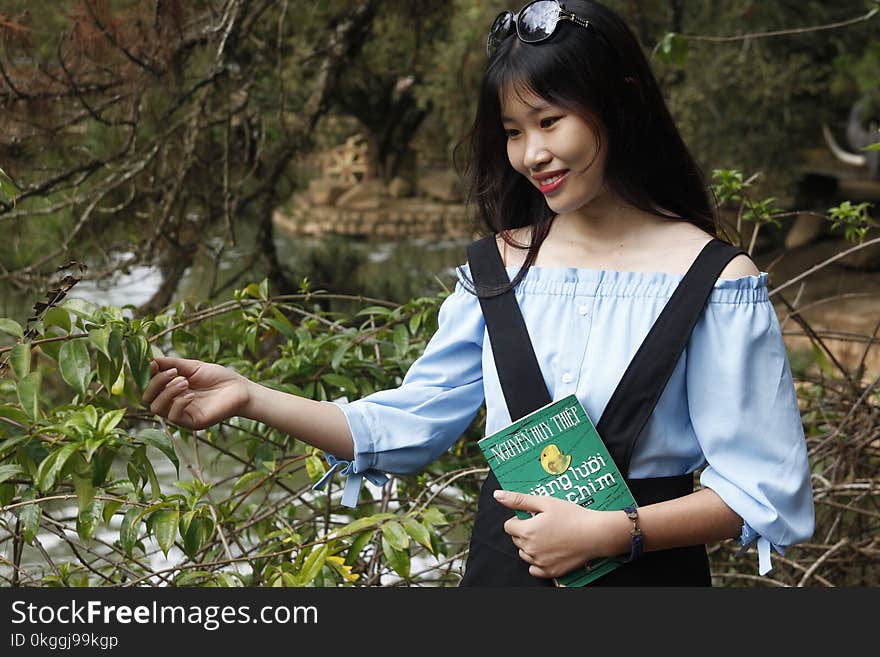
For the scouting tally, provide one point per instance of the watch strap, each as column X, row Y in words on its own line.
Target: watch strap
column 637, row 538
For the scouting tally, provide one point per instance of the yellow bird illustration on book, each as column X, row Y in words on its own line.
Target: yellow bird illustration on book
column 553, row 461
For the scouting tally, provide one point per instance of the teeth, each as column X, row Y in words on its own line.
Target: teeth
column 548, row 181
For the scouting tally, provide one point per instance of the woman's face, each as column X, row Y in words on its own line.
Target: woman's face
column 555, row 149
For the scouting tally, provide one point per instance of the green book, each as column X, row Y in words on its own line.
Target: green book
column 556, row 451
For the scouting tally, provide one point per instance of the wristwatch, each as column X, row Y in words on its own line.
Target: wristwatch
column 636, row 534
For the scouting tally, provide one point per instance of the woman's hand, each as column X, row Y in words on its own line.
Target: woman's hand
column 195, row 394
column 561, row 536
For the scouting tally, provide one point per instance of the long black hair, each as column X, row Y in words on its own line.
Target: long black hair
column 601, row 74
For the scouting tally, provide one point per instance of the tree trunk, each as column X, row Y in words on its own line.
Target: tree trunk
column 173, row 266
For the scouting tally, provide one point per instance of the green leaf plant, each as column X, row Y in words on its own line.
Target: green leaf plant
column 231, row 505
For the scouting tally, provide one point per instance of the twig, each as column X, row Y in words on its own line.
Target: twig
column 50, row 498
column 812, row 569
column 775, row 33
column 824, row 264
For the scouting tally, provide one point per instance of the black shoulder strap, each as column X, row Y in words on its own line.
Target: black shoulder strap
column 518, row 370
column 646, row 376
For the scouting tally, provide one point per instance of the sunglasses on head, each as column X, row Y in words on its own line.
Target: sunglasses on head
column 534, row 23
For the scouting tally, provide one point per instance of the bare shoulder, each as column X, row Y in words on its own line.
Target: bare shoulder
column 692, row 239
column 740, row 266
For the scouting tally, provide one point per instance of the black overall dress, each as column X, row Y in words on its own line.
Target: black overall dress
column 493, row 559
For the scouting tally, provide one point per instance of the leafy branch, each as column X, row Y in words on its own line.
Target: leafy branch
column 71, row 429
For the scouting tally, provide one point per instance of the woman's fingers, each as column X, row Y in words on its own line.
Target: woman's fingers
column 177, row 387
column 157, row 384
column 186, row 366
column 177, row 413
column 164, row 369
column 525, row 556
column 537, row 571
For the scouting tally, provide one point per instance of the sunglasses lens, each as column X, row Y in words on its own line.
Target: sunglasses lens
column 500, row 30
column 537, row 21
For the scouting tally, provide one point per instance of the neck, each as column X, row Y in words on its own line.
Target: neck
column 606, row 223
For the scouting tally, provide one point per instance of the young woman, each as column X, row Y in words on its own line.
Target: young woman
column 598, row 211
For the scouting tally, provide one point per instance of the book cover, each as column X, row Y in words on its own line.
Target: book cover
column 557, row 451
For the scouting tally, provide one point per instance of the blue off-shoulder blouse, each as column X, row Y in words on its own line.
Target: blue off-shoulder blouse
column 729, row 408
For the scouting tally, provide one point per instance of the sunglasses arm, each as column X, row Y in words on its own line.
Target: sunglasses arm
column 574, row 18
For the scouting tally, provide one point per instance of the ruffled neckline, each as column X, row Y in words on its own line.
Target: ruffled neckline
column 615, row 283
column 620, row 277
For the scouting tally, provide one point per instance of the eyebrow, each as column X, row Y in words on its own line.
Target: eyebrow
column 532, row 112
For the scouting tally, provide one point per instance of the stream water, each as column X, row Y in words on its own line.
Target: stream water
column 396, row 271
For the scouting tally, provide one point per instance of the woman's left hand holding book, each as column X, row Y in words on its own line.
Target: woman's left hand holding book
column 561, row 535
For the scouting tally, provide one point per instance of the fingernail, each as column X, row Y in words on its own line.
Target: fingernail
column 172, row 372
column 500, row 495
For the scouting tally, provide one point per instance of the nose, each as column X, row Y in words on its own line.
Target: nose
column 536, row 154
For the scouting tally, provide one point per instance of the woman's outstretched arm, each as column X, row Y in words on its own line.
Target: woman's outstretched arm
column 195, row 394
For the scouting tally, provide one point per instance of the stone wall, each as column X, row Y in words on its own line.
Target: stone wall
column 392, row 219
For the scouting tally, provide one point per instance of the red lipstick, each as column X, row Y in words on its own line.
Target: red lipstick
column 550, row 187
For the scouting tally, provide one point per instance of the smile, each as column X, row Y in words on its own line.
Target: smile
column 550, row 185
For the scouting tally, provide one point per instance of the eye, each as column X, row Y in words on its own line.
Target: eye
column 549, row 121
column 510, row 134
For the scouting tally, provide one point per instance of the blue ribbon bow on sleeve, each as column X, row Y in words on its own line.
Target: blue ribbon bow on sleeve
column 747, row 537
column 355, row 479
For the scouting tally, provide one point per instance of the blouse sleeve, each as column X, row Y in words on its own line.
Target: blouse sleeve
column 400, row 430
column 744, row 411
